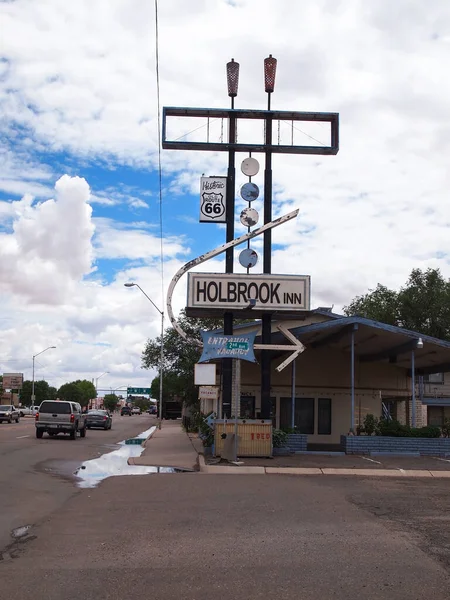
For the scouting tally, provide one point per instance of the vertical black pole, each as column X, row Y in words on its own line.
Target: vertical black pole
column 227, row 363
column 267, row 268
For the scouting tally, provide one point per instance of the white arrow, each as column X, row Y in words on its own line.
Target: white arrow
column 296, row 348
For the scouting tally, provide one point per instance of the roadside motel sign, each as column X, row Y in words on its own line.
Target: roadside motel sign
column 217, row 345
column 237, row 291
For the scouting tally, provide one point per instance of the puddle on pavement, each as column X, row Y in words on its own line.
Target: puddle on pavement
column 20, row 532
column 92, row 472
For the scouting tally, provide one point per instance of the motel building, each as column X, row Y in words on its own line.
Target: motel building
column 352, row 366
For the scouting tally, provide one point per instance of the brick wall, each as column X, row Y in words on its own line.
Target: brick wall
column 370, row 444
column 297, row 442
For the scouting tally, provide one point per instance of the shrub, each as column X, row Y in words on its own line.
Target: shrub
column 370, row 424
column 279, row 438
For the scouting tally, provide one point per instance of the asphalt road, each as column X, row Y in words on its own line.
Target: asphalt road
column 203, row 537
column 29, row 487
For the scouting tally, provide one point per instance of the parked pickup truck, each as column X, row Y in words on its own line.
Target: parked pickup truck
column 59, row 416
column 27, row 411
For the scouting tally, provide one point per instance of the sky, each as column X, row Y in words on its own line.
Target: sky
column 80, row 201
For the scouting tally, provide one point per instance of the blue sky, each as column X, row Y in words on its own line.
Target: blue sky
column 79, row 185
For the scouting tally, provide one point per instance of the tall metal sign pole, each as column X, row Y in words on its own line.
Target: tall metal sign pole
column 172, row 140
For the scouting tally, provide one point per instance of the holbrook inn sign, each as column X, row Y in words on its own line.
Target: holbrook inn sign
column 235, row 291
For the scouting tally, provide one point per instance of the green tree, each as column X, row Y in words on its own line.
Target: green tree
column 142, row 403
column 380, row 304
column 41, row 391
column 110, row 402
column 70, row 392
column 52, row 393
column 180, row 357
column 422, row 304
column 87, row 389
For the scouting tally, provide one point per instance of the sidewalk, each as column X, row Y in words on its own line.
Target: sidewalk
column 169, row 446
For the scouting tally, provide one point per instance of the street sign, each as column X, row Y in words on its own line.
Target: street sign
column 213, row 199
column 236, row 291
column 12, row 381
column 206, row 392
column 217, row 345
column 132, row 390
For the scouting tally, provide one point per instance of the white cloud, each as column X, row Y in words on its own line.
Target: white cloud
column 50, row 248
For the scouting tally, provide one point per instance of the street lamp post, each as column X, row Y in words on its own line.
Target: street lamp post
column 96, row 383
column 129, row 285
column 33, row 399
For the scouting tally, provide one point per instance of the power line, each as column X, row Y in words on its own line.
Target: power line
column 159, row 151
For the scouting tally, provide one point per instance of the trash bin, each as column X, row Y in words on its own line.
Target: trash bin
column 254, row 436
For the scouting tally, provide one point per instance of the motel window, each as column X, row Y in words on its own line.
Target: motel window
column 324, row 416
column 433, row 378
column 436, row 416
column 304, row 415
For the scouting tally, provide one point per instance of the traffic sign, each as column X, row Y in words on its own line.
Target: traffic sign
column 132, row 390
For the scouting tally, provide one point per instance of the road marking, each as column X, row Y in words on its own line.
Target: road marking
column 21, row 436
column 444, row 459
column 371, row 460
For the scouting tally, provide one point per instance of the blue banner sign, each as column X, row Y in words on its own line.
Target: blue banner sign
column 216, row 345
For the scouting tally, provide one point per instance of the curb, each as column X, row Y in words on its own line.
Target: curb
column 144, row 443
column 130, row 460
column 236, row 470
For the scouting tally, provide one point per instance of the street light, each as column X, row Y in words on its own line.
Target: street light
column 33, row 399
column 97, row 378
column 129, row 285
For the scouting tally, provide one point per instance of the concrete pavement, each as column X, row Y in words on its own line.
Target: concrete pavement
column 169, row 446
column 246, row 538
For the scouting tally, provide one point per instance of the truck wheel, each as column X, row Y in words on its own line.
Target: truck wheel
column 73, row 435
column 83, row 432
column 39, row 433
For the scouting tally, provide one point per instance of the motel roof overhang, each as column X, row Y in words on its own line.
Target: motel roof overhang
column 375, row 342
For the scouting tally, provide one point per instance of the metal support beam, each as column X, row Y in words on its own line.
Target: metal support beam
column 227, row 363
column 413, row 389
column 352, row 383
column 293, row 396
column 267, row 268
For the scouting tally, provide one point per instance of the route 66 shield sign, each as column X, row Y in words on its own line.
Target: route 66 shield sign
column 212, row 199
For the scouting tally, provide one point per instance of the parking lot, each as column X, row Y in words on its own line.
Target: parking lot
column 338, row 461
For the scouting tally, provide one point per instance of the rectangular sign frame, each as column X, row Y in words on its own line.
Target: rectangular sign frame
column 213, row 199
column 215, row 293
column 12, row 381
column 136, row 390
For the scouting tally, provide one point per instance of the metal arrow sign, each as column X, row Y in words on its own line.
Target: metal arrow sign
column 296, row 348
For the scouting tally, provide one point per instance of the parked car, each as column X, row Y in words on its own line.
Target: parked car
column 98, row 418
column 152, row 410
column 136, row 410
column 59, row 416
column 9, row 413
column 125, row 411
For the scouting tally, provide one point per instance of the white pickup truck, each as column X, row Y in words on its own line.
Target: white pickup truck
column 28, row 411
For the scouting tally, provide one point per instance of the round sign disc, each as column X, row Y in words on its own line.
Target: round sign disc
column 250, row 166
column 249, row 191
column 248, row 258
column 249, row 217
